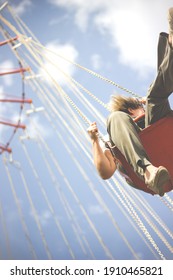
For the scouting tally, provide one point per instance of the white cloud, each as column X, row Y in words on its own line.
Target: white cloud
column 95, row 210
column 53, row 63
column 22, row 7
column 59, row 20
column 5, row 108
column 1, row 91
column 10, row 113
column 3, row 131
column 6, row 66
column 35, row 127
column 96, row 61
column 44, row 217
column 133, row 26
column 82, row 9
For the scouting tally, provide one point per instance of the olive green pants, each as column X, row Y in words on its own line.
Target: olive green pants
column 122, row 130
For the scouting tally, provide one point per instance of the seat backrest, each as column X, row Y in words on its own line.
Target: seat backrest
column 157, row 140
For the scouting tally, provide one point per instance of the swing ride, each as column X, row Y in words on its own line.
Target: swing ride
column 51, row 197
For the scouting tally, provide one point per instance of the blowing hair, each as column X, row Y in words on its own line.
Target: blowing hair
column 122, row 103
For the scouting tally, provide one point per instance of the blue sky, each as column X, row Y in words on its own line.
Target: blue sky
column 53, row 204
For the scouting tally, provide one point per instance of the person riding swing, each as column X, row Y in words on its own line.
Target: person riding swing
column 124, row 132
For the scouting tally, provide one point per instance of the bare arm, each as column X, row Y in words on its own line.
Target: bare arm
column 103, row 161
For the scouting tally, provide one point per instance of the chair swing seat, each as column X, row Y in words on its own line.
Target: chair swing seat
column 157, row 140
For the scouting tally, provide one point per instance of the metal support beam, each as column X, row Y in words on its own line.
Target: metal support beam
column 17, row 125
column 16, row 100
column 21, row 70
column 8, row 41
column 5, row 149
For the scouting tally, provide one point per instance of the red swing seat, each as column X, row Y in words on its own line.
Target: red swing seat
column 157, row 140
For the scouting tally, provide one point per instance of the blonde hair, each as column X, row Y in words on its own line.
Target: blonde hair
column 122, row 103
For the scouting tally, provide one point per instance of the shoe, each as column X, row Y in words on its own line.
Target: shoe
column 157, row 180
